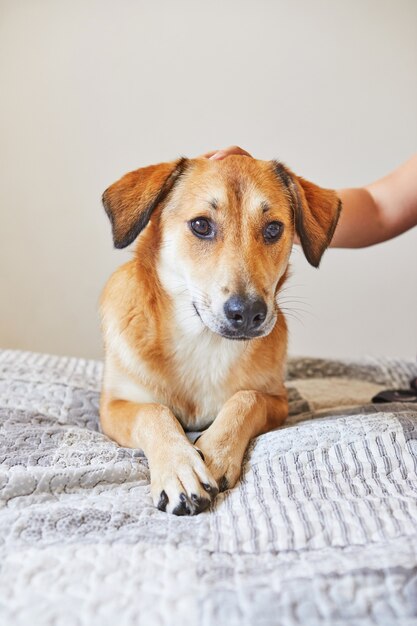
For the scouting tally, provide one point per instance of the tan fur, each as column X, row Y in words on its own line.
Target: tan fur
column 167, row 367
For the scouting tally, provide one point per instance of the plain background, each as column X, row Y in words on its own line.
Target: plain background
column 93, row 88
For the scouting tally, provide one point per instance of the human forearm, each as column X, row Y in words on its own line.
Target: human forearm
column 380, row 211
column 360, row 223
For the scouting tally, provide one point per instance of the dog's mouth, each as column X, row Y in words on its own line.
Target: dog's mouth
column 228, row 333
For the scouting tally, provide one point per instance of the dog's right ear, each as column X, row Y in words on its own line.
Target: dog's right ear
column 130, row 201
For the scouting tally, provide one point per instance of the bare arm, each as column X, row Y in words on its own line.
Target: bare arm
column 379, row 211
column 371, row 214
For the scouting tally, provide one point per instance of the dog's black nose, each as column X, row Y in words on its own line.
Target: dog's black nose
column 244, row 314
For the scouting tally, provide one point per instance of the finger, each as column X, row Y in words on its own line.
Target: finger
column 207, row 155
column 221, row 154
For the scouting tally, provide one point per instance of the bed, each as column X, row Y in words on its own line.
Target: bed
column 321, row 529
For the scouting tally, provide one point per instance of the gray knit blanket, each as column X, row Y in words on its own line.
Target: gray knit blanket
column 321, row 529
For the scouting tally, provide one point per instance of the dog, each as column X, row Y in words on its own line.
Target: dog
column 194, row 338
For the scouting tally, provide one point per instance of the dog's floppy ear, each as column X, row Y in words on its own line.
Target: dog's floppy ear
column 316, row 212
column 130, row 201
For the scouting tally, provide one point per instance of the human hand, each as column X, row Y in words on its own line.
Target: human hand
column 217, row 155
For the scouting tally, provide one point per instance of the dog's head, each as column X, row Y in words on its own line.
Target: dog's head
column 225, row 230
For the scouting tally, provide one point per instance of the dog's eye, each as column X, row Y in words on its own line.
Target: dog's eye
column 202, row 227
column 273, row 231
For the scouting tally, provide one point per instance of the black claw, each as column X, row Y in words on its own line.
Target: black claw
column 184, row 507
column 200, row 504
column 189, row 505
column 192, row 505
column 223, row 483
column 163, row 501
column 203, row 504
column 213, row 491
column 201, row 454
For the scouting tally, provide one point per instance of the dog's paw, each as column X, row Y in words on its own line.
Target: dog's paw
column 223, row 460
column 182, row 484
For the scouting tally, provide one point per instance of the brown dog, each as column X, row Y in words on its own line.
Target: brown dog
column 194, row 338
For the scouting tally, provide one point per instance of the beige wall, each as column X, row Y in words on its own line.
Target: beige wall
column 93, row 88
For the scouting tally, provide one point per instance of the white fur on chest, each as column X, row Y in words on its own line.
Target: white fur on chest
column 203, row 365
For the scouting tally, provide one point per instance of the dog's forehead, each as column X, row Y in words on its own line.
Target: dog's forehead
column 236, row 179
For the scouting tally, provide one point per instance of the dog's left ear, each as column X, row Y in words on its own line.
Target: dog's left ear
column 130, row 202
column 316, row 212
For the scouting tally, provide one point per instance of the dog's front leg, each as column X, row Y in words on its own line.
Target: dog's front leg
column 244, row 416
column 180, row 481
